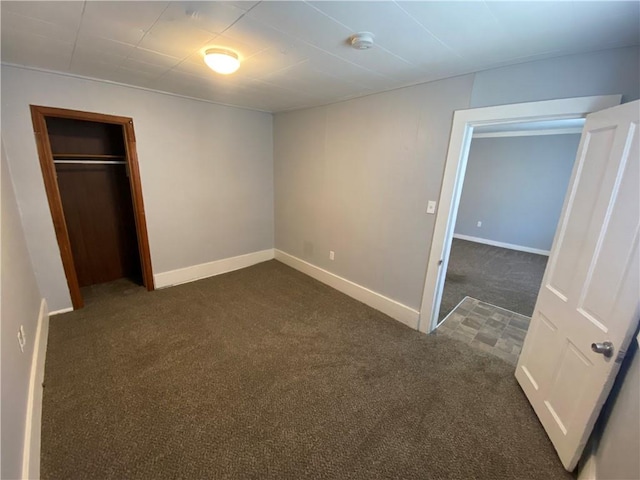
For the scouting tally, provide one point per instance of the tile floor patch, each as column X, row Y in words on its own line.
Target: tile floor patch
column 487, row 328
column 519, row 323
column 497, row 324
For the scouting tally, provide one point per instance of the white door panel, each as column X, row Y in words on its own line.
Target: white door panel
column 591, row 288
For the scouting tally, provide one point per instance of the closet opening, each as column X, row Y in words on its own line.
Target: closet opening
column 90, row 170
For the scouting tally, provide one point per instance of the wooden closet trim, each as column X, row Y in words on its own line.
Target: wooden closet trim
column 38, row 115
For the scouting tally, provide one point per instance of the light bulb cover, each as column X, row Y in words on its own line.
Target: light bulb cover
column 221, row 60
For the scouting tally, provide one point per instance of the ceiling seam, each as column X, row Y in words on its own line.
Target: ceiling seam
column 435, row 37
column 240, row 17
column 137, row 45
column 349, row 28
column 75, row 42
column 153, row 24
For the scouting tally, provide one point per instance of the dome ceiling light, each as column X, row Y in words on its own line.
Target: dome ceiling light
column 221, row 60
column 361, row 40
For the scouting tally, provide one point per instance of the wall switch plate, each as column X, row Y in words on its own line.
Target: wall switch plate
column 332, row 255
column 21, row 338
column 479, row 224
column 431, row 206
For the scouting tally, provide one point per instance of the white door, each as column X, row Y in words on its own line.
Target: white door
column 590, row 292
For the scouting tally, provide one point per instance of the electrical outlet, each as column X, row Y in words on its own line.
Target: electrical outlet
column 21, row 338
column 431, row 207
column 479, row 224
column 332, row 255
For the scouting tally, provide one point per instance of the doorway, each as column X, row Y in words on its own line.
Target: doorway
column 90, row 169
column 511, row 199
column 512, row 196
column 464, row 123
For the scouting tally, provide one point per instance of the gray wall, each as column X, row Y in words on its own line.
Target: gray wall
column 516, row 187
column 20, row 306
column 355, row 178
column 618, row 428
column 206, row 171
column 600, row 73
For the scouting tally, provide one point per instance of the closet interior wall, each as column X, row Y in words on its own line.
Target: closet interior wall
column 93, row 184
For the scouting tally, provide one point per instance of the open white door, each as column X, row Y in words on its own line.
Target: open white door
column 588, row 306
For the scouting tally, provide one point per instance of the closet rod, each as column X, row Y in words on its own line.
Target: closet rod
column 91, row 162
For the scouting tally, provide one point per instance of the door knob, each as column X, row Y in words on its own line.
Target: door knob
column 605, row 348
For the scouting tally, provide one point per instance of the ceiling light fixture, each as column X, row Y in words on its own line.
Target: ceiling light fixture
column 361, row 40
column 222, row 60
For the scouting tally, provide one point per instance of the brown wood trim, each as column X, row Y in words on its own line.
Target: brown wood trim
column 80, row 115
column 138, row 205
column 55, row 204
column 38, row 115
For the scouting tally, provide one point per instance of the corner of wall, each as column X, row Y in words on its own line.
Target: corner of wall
column 211, row 269
column 386, row 305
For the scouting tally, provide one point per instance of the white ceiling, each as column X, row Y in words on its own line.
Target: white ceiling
column 295, row 54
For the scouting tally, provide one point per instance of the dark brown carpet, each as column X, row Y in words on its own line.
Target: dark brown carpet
column 505, row 278
column 266, row 373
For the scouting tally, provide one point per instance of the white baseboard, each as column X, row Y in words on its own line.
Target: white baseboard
column 210, row 269
column 510, row 246
column 31, row 449
column 62, row 310
column 390, row 307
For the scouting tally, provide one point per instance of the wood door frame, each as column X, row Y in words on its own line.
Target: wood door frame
column 463, row 124
column 38, row 117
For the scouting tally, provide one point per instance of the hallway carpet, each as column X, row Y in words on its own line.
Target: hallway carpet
column 264, row 373
column 505, row 278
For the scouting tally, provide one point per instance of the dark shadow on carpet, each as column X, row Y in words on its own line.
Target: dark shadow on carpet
column 266, row 373
column 506, row 278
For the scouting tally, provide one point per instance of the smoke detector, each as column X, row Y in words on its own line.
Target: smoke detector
column 361, row 40
column 192, row 13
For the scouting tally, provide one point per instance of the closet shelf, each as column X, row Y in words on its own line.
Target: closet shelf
column 86, row 156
